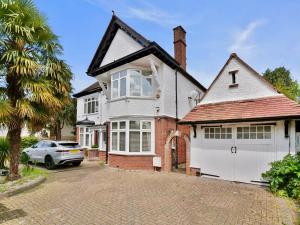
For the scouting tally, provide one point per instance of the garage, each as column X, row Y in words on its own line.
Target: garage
column 241, row 125
column 235, row 152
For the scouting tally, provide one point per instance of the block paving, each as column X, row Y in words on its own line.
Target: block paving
column 90, row 195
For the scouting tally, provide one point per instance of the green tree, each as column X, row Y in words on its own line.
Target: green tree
column 281, row 78
column 33, row 79
column 67, row 116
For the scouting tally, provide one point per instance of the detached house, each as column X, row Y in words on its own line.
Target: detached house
column 140, row 94
column 241, row 125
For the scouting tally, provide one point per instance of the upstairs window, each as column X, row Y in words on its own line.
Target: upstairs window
column 132, row 83
column 91, row 105
column 233, row 78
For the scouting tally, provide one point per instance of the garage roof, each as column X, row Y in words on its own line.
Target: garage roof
column 259, row 109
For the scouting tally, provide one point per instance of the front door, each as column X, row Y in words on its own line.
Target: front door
column 237, row 153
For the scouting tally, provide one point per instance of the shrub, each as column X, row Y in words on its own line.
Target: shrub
column 4, row 151
column 26, row 142
column 94, row 146
column 24, row 159
column 284, row 176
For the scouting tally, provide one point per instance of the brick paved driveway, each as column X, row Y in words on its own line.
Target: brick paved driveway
column 89, row 195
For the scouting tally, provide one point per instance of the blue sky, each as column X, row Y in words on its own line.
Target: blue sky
column 264, row 33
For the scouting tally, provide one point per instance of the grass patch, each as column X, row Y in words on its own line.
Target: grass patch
column 27, row 174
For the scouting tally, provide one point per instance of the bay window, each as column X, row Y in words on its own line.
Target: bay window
column 131, row 83
column 132, row 136
column 91, row 105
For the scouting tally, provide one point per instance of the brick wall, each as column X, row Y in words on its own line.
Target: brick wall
column 102, row 155
column 77, row 134
column 131, row 162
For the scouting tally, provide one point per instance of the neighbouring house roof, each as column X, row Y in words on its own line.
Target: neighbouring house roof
column 95, row 87
column 148, row 48
column 85, row 122
column 267, row 108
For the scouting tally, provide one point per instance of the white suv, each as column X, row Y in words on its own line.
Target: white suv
column 54, row 153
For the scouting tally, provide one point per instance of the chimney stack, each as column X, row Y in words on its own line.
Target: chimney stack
column 180, row 46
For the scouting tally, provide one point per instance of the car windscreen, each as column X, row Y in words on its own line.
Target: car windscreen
column 69, row 144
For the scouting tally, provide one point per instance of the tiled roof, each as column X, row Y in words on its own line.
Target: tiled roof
column 95, row 87
column 268, row 108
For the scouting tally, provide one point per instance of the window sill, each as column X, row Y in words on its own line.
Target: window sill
column 90, row 114
column 132, row 153
column 131, row 97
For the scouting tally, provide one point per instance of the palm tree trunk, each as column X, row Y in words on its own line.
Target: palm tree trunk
column 14, row 138
column 58, row 131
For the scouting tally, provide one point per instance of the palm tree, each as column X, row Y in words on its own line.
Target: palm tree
column 34, row 81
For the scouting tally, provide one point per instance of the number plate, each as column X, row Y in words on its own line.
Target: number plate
column 74, row 151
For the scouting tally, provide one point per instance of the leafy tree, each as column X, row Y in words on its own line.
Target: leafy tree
column 67, row 116
column 33, row 79
column 281, row 78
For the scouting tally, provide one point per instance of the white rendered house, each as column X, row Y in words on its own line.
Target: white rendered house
column 139, row 95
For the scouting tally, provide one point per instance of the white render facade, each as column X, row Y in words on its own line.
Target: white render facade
column 133, row 97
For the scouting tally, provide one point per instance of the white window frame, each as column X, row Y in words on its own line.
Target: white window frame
column 102, row 142
column 241, row 133
column 91, row 100
column 127, row 133
column 84, row 133
column 213, row 133
column 116, row 77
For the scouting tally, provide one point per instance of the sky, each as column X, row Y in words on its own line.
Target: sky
column 266, row 34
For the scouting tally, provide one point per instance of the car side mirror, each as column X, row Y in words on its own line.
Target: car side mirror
column 33, row 146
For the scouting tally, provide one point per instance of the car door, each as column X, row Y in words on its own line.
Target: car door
column 33, row 152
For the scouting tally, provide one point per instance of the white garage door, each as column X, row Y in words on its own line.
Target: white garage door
column 237, row 153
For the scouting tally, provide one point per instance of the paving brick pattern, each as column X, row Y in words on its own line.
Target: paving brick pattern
column 89, row 195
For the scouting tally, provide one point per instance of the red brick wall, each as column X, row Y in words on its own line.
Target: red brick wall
column 131, row 162
column 163, row 126
column 77, row 134
column 102, row 155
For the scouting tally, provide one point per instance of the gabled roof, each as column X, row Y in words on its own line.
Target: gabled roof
column 267, row 108
column 95, row 87
column 148, row 48
column 114, row 25
column 235, row 56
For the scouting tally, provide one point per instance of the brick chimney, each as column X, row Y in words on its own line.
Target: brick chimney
column 180, row 46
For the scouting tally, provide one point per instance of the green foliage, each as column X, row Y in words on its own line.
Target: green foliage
column 4, row 151
column 33, row 172
column 284, row 176
column 24, row 159
column 35, row 83
column 27, row 142
column 281, row 78
column 95, row 146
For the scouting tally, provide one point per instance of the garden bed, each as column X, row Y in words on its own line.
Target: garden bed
column 29, row 178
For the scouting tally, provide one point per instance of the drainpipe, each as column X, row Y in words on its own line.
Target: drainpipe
column 106, row 152
column 176, row 102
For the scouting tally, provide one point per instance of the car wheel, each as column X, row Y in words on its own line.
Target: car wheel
column 76, row 163
column 49, row 163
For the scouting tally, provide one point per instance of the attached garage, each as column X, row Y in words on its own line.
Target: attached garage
column 241, row 125
column 234, row 152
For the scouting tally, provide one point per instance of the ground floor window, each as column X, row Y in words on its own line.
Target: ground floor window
column 85, row 136
column 132, row 136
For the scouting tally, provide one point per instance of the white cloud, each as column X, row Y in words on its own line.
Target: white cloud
column 242, row 39
column 142, row 10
